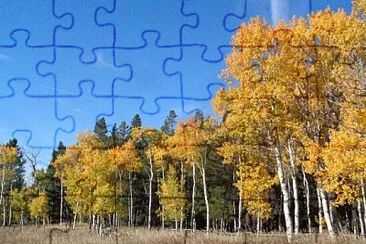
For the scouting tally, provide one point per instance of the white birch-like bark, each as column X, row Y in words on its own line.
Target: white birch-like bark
column 234, row 207
column 307, row 196
column 10, row 216
column 240, row 210
column 74, row 222
column 363, row 200
column 75, row 215
column 234, row 210
column 240, row 205
column 22, row 218
column 93, row 221
column 203, row 174
column 10, row 210
column 320, row 211
column 181, row 190
column 284, row 190
column 360, row 218
column 294, row 186
column 162, row 207
column 193, row 220
column 326, row 214
column 150, row 191
column 2, row 184
column 354, row 220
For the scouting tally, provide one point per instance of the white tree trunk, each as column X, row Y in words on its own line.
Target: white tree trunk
column 10, row 216
column 294, row 186
column 203, row 174
column 307, row 195
column 362, row 227
column 326, row 214
column 74, row 222
column 75, row 215
column 2, row 184
column 162, row 207
column 354, row 220
column 240, row 210
column 240, row 205
column 363, row 200
column 150, row 192
column 234, row 205
column 181, row 190
column 193, row 220
column 234, row 210
column 320, row 211
column 22, row 218
column 284, row 190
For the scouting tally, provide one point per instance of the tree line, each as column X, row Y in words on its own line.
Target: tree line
column 290, row 135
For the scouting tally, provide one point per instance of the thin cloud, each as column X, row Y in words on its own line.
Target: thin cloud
column 280, row 10
column 4, row 57
column 102, row 63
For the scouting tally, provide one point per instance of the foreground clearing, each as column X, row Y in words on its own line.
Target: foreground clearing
column 33, row 235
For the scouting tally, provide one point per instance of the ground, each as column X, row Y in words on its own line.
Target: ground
column 81, row 235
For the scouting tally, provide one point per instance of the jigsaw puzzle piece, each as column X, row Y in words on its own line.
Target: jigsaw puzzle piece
column 218, row 18
column 33, row 116
column 221, row 19
column 198, row 86
column 125, row 108
column 69, row 71
column 149, row 82
column 131, row 18
column 85, row 34
column 36, row 17
column 19, row 62
column 85, row 109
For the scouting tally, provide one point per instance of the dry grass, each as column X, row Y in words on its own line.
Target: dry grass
column 33, row 235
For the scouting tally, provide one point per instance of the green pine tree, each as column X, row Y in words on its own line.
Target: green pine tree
column 169, row 123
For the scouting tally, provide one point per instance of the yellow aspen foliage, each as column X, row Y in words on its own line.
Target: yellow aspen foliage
column 38, row 206
column 255, row 184
column 125, row 157
column 359, row 6
column 8, row 155
column 18, row 202
column 171, row 197
column 345, row 163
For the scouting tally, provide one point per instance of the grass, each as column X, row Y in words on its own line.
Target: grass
column 33, row 235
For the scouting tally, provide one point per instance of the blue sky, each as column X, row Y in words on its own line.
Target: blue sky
column 65, row 63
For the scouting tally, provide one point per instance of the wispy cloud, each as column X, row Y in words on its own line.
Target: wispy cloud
column 280, row 10
column 78, row 110
column 102, row 63
column 4, row 57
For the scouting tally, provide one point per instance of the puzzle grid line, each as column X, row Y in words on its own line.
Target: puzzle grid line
column 106, row 21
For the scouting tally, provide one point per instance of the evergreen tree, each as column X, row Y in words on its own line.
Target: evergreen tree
column 169, row 123
column 51, row 185
column 198, row 116
column 136, row 121
column 101, row 131
column 114, row 136
column 123, row 131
